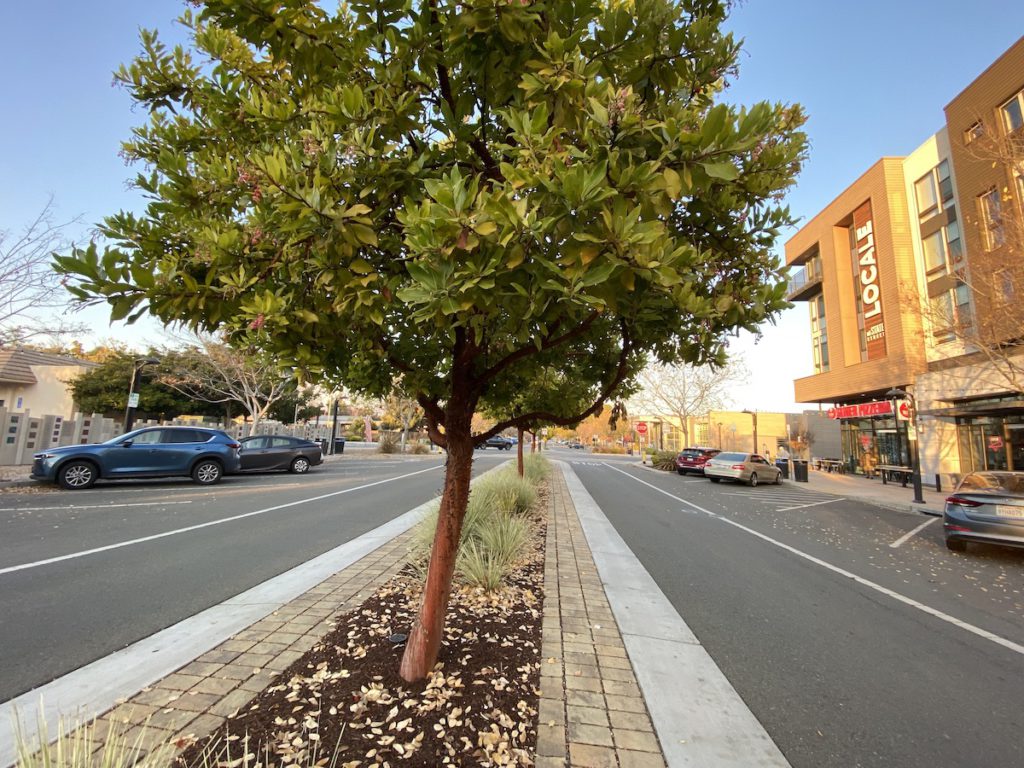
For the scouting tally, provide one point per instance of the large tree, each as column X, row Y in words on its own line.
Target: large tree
column 469, row 194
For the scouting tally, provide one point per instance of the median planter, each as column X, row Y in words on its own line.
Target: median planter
column 344, row 702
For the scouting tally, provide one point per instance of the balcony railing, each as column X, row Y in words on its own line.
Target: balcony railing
column 805, row 282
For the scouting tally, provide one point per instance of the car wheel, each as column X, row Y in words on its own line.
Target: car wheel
column 753, row 479
column 681, row 472
column 76, row 475
column 956, row 545
column 714, row 479
column 778, row 478
column 300, row 465
column 207, row 472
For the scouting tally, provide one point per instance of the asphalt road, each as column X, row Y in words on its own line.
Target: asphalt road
column 841, row 671
column 72, row 605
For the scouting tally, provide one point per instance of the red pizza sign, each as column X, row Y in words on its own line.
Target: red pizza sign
column 862, row 410
column 641, row 427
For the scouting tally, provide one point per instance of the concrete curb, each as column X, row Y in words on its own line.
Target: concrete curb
column 708, row 727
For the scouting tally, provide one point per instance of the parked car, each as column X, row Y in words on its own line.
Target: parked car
column 263, row 453
column 743, row 468
column 576, row 444
column 694, row 459
column 205, row 455
column 500, row 442
column 986, row 507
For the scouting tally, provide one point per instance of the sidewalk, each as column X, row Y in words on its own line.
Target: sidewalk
column 592, row 713
column 890, row 496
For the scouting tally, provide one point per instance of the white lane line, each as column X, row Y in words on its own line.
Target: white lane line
column 74, row 508
column 120, row 544
column 983, row 633
column 812, row 504
column 909, row 535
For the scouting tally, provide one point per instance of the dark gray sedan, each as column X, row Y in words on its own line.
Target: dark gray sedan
column 986, row 507
column 263, row 453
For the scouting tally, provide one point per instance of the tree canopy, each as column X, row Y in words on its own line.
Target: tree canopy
column 476, row 195
column 512, row 188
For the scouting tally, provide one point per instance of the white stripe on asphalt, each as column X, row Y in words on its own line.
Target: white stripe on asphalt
column 983, row 633
column 99, row 506
column 812, row 504
column 709, row 727
column 906, row 536
column 154, row 537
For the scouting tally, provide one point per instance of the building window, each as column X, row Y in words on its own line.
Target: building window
column 1013, row 113
column 934, row 252
column 18, row 402
column 990, row 214
column 954, row 246
column 950, row 313
column 819, row 334
column 933, row 188
column 976, row 131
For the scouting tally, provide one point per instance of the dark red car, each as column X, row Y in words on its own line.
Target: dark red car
column 694, row 459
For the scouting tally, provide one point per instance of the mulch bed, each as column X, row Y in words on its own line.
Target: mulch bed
column 344, row 704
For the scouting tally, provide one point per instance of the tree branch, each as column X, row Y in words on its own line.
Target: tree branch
column 531, row 349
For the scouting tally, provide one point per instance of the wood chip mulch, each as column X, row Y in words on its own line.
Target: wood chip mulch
column 343, row 703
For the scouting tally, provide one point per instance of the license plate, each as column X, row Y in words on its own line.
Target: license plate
column 1004, row 510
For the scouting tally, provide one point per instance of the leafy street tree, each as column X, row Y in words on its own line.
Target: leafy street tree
column 403, row 410
column 473, row 195
column 295, row 405
column 685, row 391
column 213, row 372
column 105, row 390
column 32, row 297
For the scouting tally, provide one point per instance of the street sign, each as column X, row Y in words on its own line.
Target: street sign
column 641, row 427
column 133, row 400
column 903, row 410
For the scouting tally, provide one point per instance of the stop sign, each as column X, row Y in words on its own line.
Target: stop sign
column 641, row 427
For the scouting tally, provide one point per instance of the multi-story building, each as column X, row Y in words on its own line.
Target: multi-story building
column 912, row 278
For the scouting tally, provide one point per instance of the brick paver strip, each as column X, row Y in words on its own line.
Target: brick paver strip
column 588, row 717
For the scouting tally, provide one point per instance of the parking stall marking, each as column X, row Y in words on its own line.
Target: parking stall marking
column 909, row 601
column 910, row 534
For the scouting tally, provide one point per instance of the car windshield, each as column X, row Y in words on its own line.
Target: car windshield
column 998, row 482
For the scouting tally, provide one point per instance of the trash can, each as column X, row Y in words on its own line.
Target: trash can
column 783, row 464
column 339, row 445
column 800, row 470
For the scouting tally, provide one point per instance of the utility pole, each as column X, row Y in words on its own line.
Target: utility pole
column 133, row 396
column 334, row 426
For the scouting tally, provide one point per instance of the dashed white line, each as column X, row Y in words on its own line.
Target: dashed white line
column 910, row 534
column 75, row 508
column 983, row 633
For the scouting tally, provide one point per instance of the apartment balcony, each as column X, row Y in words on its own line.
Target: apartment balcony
column 804, row 284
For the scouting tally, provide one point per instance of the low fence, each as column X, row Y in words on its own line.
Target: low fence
column 24, row 434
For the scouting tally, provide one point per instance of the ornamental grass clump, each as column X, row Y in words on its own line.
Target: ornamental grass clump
column 496, row 529
column 665, row 460
column 86, row 746
column 536, row 469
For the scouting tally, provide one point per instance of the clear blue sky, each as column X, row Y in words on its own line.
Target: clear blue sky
column 873, row 76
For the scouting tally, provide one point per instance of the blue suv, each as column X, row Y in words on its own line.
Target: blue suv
column 205, row 455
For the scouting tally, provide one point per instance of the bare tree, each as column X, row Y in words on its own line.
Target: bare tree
column 31, row 293
column 213, row 372
column 979, row 311
column 684, row 391
column 402, row 409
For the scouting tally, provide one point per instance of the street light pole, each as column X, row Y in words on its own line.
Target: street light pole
column 133, row 397
column 915, row 453
column 753, row 418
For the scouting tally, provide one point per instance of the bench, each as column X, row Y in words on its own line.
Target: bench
column 829, row 465
column 895, row 473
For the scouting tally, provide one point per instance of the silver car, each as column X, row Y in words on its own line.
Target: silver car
column 743, row 468
column 986, row 507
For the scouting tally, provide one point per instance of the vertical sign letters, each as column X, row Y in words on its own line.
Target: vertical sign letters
column 865, row 269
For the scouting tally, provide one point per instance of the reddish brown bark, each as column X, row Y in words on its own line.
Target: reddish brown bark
column 424, row 641
column 519, row 451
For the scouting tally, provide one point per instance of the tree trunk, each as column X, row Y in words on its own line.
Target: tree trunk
column 427, row 631
column 519, row 451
